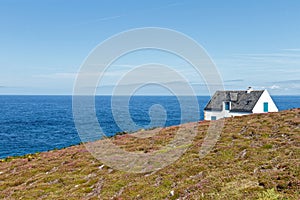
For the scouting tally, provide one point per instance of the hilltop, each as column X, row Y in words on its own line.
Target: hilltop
column 256, row 157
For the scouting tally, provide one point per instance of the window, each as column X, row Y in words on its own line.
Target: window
column 227, row 105
column 266, row 107
column 213, row 118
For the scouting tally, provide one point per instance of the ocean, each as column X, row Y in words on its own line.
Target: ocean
column 30, row 124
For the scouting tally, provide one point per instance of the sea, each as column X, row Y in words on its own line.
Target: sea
column 31, row 124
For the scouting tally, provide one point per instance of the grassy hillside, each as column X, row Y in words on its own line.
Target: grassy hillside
column 256, row 157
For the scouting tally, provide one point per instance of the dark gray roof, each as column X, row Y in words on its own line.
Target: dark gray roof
column 241, row 101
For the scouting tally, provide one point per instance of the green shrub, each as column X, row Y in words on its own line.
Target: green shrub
column 269, row 194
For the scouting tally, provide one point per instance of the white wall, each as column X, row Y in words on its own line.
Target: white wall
column 222, row 114
column 265, row 97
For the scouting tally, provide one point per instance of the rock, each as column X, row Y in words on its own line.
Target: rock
column 172, row 193
column 101, row 167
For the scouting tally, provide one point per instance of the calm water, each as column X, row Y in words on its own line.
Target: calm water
column 30, row 124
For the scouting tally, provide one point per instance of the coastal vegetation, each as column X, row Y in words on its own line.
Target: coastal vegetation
column 256, row 157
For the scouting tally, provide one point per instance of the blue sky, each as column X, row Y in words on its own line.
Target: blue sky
column 253, row 43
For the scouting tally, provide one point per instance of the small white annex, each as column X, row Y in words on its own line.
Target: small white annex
column 237, row 103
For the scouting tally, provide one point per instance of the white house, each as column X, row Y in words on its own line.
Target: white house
column 237, row 103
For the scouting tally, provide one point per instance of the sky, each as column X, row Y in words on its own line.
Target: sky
column 253, row 43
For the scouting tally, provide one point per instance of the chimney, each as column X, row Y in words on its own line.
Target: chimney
column 249, row 90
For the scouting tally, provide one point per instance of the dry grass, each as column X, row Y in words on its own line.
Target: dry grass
column 257, row 157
